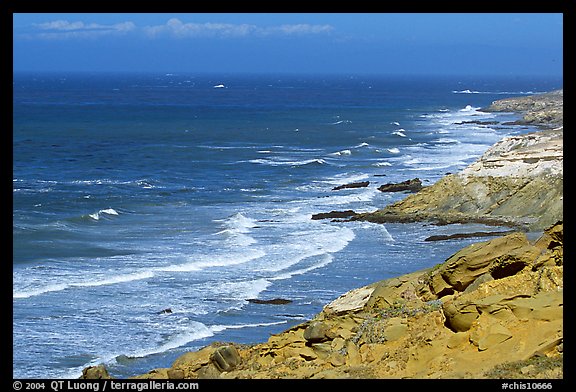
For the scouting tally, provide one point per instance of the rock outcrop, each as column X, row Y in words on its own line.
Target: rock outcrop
column 352, row 185
column 517, row 182
column 413, row 185
column 491, row 304
column 541, row 109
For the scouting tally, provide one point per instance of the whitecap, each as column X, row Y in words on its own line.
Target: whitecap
column 220, row 328
column 271, row 162
column 467, row 91
column 343, row 152
column 393, row 150
column 469, row 108
column 107, row 211
column 400, row 132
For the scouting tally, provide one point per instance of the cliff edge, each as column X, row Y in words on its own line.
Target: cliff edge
column 517, row 182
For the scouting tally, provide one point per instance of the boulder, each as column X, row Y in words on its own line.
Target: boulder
column 318, row 332
column 275, row 301
column 226, row 358
column 352, row 185
column 413, row 185
column 95, row 373
column 334, row 215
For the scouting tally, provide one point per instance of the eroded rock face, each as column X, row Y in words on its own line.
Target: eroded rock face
column 518, row 182
column 541, row 109
column 413, row 185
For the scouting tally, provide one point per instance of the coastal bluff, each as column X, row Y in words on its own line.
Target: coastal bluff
column 517, row 182
column 494, row 309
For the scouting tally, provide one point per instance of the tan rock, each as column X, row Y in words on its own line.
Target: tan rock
column 496, row 334
column 350, row 301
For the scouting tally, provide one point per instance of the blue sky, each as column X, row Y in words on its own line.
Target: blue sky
column 336, row 43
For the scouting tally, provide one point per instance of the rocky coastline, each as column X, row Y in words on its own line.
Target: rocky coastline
column 492, row 310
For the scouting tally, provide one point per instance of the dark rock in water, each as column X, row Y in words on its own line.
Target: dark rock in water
column 413, row 185
column 334, row 215
column 275, row 301
column 467, row 235
column 361, row 184
column 165, row 311
column 477, row 122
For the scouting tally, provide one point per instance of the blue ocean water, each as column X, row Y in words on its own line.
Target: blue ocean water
column 137, row 193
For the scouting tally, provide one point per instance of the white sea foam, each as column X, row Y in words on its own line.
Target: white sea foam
column 469, row 108
column 341, row 122
column 273, row 162
column 400, row 132
column 382, row 164
column 237, row 291
column 300, row 246
column 216, row 260
column 346, row 178
column 343, row 152
column 468, row 91
column 194, row 331
column 122, row 278
column 325, row 260
column 220, row 328
column 106, row 211
column 393, row 150
column 236, row 229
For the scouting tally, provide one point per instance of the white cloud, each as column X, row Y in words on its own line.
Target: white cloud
column 176, row 28
column 301, row 29
column 63, row 29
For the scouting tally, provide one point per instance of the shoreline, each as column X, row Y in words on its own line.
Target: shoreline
column 361, row 334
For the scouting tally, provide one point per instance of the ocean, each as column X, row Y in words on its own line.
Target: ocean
column 149, row 208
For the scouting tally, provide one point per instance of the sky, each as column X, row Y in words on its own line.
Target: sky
column 307, row 43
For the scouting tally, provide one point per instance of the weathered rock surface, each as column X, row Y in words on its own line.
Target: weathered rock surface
column 95, row 373
column 334, row 215
column 518, row 182
column 541, row 109
column 413, row 185
column 352, row 185
column 275, row 301
column 492, row 307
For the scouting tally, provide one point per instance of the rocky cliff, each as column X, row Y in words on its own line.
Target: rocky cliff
column 517, row 182
column 493, row 309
